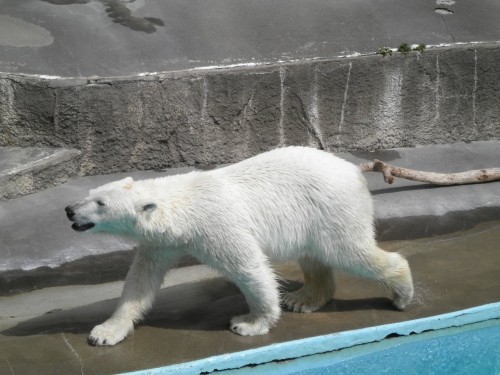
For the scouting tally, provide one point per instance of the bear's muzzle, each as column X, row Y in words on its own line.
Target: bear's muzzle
column 70, row 213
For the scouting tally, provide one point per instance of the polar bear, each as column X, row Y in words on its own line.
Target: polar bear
column 292, row 203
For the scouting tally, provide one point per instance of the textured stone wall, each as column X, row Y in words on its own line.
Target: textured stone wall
column 221, row 116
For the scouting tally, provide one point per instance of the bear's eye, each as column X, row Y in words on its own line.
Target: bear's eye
column 100, row 203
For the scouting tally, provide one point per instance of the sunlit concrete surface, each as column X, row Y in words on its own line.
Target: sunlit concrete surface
column 85, row 38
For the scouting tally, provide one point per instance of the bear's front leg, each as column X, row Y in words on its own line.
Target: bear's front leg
column 244, row 263
column 258, row 284
column 141, row 285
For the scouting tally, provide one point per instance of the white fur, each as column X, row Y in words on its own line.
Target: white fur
column 292, row 203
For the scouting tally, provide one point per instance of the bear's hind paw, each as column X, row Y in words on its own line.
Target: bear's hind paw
column 304, row 300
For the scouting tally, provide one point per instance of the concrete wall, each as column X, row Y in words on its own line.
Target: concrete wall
column 220, row 116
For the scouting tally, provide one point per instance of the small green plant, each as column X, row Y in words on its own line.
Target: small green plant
column 384, row 51
column 420, row 48
column 404, row 48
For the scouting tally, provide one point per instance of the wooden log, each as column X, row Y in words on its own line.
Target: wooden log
column 445, row 179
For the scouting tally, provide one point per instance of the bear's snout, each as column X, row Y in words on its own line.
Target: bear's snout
column 78, row 226
column 70, row 213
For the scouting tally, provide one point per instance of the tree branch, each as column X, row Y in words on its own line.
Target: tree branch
column 445, row 179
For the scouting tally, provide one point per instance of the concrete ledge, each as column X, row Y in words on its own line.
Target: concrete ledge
column 27, row 170
column 202, row 117
column 409, row 209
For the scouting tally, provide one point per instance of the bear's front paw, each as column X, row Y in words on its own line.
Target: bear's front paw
column 247, row 325
column 111, row 332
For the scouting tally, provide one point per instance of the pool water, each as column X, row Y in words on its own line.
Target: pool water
column 472, row 349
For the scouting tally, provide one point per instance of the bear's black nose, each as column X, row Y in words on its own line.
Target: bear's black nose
column 69, row 212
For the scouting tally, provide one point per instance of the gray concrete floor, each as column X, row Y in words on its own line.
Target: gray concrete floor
column 86, row 38
column 44, row 332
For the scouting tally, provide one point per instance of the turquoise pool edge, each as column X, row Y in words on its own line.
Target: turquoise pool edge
column 328, row 343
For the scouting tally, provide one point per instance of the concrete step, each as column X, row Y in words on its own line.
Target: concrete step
column 39, row 249
column 28, row 170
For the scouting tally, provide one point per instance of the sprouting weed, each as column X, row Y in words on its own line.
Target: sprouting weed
column 420, row 48
column 384, row 51
column 404, row 48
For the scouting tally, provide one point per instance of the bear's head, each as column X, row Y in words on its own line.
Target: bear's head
column 111, row 208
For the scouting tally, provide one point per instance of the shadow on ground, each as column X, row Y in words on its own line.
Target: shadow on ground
column 206, row 305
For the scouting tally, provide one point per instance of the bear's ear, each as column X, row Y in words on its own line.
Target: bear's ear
column 127, row 180
column 127, row 183
column 148, row 207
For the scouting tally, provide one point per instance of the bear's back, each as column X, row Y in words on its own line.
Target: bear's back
column 293, row 193
column 300, row 167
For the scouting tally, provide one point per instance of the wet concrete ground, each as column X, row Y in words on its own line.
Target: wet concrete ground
column 44, row 332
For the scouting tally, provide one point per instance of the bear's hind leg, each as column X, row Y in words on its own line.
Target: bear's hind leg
column 397, row 278
column 390, row 269
column 318, row 289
